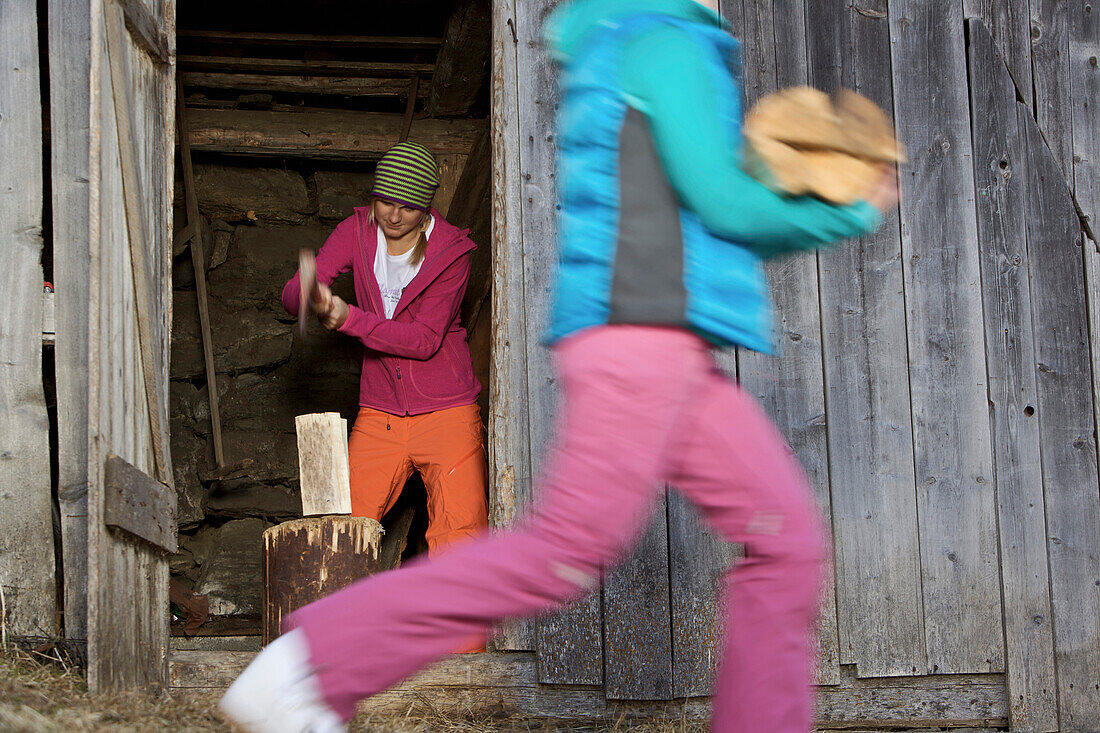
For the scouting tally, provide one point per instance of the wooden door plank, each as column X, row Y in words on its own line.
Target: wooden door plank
column 569, row 645
column 1051, row 77
column 791, row 387
column 127, row 580
column 26, row 508
column 509, row 446
column 1001, row 174
column 947, row 376
column 139, row 504
column 636, row 610
column 69, row 49
column 1066, row 431
column 1009, row 23
column 879, row 606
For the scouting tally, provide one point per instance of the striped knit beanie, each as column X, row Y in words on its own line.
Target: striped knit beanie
column 407, row 175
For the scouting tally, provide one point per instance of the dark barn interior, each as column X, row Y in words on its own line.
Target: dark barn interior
column 287, row 107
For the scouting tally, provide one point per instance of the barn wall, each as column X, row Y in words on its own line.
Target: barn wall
column 26, row 516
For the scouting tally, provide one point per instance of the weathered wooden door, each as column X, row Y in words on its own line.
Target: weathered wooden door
column 131, row 506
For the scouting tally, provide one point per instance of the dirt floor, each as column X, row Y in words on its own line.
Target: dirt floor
column 43, row 691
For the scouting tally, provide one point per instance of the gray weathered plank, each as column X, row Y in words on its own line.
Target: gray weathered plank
column 492, row 683
column 69, row 49
column 791, row 387
column 880, row 623
column 1066, row 432
column 126, row 580
column 1009, row 22
column 26, row 514
column 509, row 442
column 1051, row 77
column 697, row 562
column 947, row 379
column 569, row 643
column 1001, row 174
column 636, row 610
column 139, row 504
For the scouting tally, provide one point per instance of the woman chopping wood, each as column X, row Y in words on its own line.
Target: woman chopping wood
column 662, row 236
column 417, row 393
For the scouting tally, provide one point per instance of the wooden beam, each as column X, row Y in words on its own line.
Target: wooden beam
column 463, row 62
column 506, row 682
column 146, row 30
column 198, row 263
column 346, row 86
column 322, row 133
column 296, row 40
column 304, row 66
column 139, row 504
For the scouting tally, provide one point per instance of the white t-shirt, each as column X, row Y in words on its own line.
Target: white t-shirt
column 394, row 272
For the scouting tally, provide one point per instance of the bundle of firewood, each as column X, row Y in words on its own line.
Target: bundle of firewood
column 802, row 141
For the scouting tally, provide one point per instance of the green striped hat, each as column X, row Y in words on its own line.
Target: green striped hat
column 407, row 175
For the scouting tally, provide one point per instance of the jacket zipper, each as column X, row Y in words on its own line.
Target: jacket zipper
column 404, row 396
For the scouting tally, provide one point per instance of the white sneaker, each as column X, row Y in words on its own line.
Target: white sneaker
column 279, row 693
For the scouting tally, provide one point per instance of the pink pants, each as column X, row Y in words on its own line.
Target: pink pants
column 641, row 406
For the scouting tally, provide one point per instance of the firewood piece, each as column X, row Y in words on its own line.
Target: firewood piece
column 307, row 559
column 323, row 463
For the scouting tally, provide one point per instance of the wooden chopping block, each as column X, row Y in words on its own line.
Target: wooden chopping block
column 307, row 559
column 801, row 141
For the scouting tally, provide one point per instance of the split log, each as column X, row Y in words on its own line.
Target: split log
column 308, row 559
column 323, row 463
column 322, row 134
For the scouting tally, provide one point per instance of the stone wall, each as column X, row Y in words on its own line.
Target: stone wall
column 257, row 218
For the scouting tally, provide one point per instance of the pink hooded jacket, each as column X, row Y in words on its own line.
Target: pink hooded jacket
column 419, row 360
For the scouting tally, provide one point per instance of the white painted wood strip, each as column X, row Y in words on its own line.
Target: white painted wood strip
column 69, row 33
column 49, row 319
column 791, row 386
column 956, row 501
column 323, row 463
column 509, row 446
column 1001, row 175
column 879, row 604
column 26, row 516
column 1066, row 432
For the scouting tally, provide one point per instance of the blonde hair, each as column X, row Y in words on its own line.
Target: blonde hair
column 421, row 245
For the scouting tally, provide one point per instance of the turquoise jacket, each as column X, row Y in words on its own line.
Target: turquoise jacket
column 658, row 222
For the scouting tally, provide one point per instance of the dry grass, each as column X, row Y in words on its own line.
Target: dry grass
column 43, row 691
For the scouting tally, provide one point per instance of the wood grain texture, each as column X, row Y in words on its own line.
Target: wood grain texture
column 1067, row 440
column 451, row 166
column 26, row 510
column 323, row 463
column 956, row 501
column 509, row 443
column 1001, row 176
column 135, row 502
column 506, row 683
column 317, row 67
column 322, row 133
column 879, row 606
column 636, row 610
column 299, row 40
column 463, row 60
column 1009, row 23
column 307, row 559
column 1052, row 78
column 126, row 580
column 791, row 387
column 69, row 33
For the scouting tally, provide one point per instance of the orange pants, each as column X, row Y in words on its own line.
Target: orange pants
column 446, row 446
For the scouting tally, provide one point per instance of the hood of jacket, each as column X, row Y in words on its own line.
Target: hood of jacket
column 571, row 23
